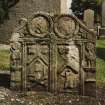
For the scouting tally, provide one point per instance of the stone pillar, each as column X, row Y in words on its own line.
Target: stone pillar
column 65, row 5
column 89, row 18
column 103, row 13
column 53, row 67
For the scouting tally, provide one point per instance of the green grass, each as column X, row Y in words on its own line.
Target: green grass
column 100, row 60
column 4, row 59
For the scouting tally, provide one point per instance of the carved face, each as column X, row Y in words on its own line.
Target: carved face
column 90, row 46
column 39, row 26
column 65, row 27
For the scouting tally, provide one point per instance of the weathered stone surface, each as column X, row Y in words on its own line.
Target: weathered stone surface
column 53, row 55
column 89, row 18
column 103, row 13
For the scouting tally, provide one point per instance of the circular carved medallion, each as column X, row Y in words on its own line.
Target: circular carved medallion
column 65, row 27
column 39, row 26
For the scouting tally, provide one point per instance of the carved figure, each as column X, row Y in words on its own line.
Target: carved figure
column 15, row 49
column 70, row 79
column 90, row 54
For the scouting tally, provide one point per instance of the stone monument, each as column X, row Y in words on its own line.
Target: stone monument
column 89, row 18
column 55, row 54
column 103, row 13
column 101, row 29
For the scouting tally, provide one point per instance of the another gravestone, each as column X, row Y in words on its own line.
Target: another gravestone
column 101, row 30
column 89, row 18
column 103, row 13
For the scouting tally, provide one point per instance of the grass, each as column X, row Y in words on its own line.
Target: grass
column 4, row 59
column 100, row 51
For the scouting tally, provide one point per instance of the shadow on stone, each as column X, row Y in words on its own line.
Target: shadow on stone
column 100, row 53
column 4, row 80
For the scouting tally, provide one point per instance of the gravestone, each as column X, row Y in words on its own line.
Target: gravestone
column 101, row 30
column 55, row 54
column 89, row 18
column 103, row 13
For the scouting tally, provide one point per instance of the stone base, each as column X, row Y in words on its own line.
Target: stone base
column 90, row 82
column 90, row 88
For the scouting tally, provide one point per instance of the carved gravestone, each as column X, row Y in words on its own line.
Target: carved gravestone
column 89, row 18
column 53, row 53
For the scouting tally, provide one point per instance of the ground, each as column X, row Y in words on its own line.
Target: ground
column 8, row 97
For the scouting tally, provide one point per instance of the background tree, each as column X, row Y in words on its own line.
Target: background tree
column 5, row 5
column 78, row 6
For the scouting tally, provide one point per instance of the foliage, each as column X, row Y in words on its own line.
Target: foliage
column 78, row 6
column 4, row 8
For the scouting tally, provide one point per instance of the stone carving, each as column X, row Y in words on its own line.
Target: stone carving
column 90, row 55
column 71, row 79
column 15, row 63
column 15, row 48
column 54, row 52
column 38, row 64
column 68, row 69
column 39, row 26
column 65, row 27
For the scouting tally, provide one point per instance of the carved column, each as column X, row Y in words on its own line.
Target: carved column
column 53, row 67
column 24, row 60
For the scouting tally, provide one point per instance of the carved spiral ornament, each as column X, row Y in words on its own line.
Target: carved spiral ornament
column 65, row 26
column 39, row 26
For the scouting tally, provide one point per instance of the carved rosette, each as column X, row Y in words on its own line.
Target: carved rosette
column 65, row 26
column 39, row 25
